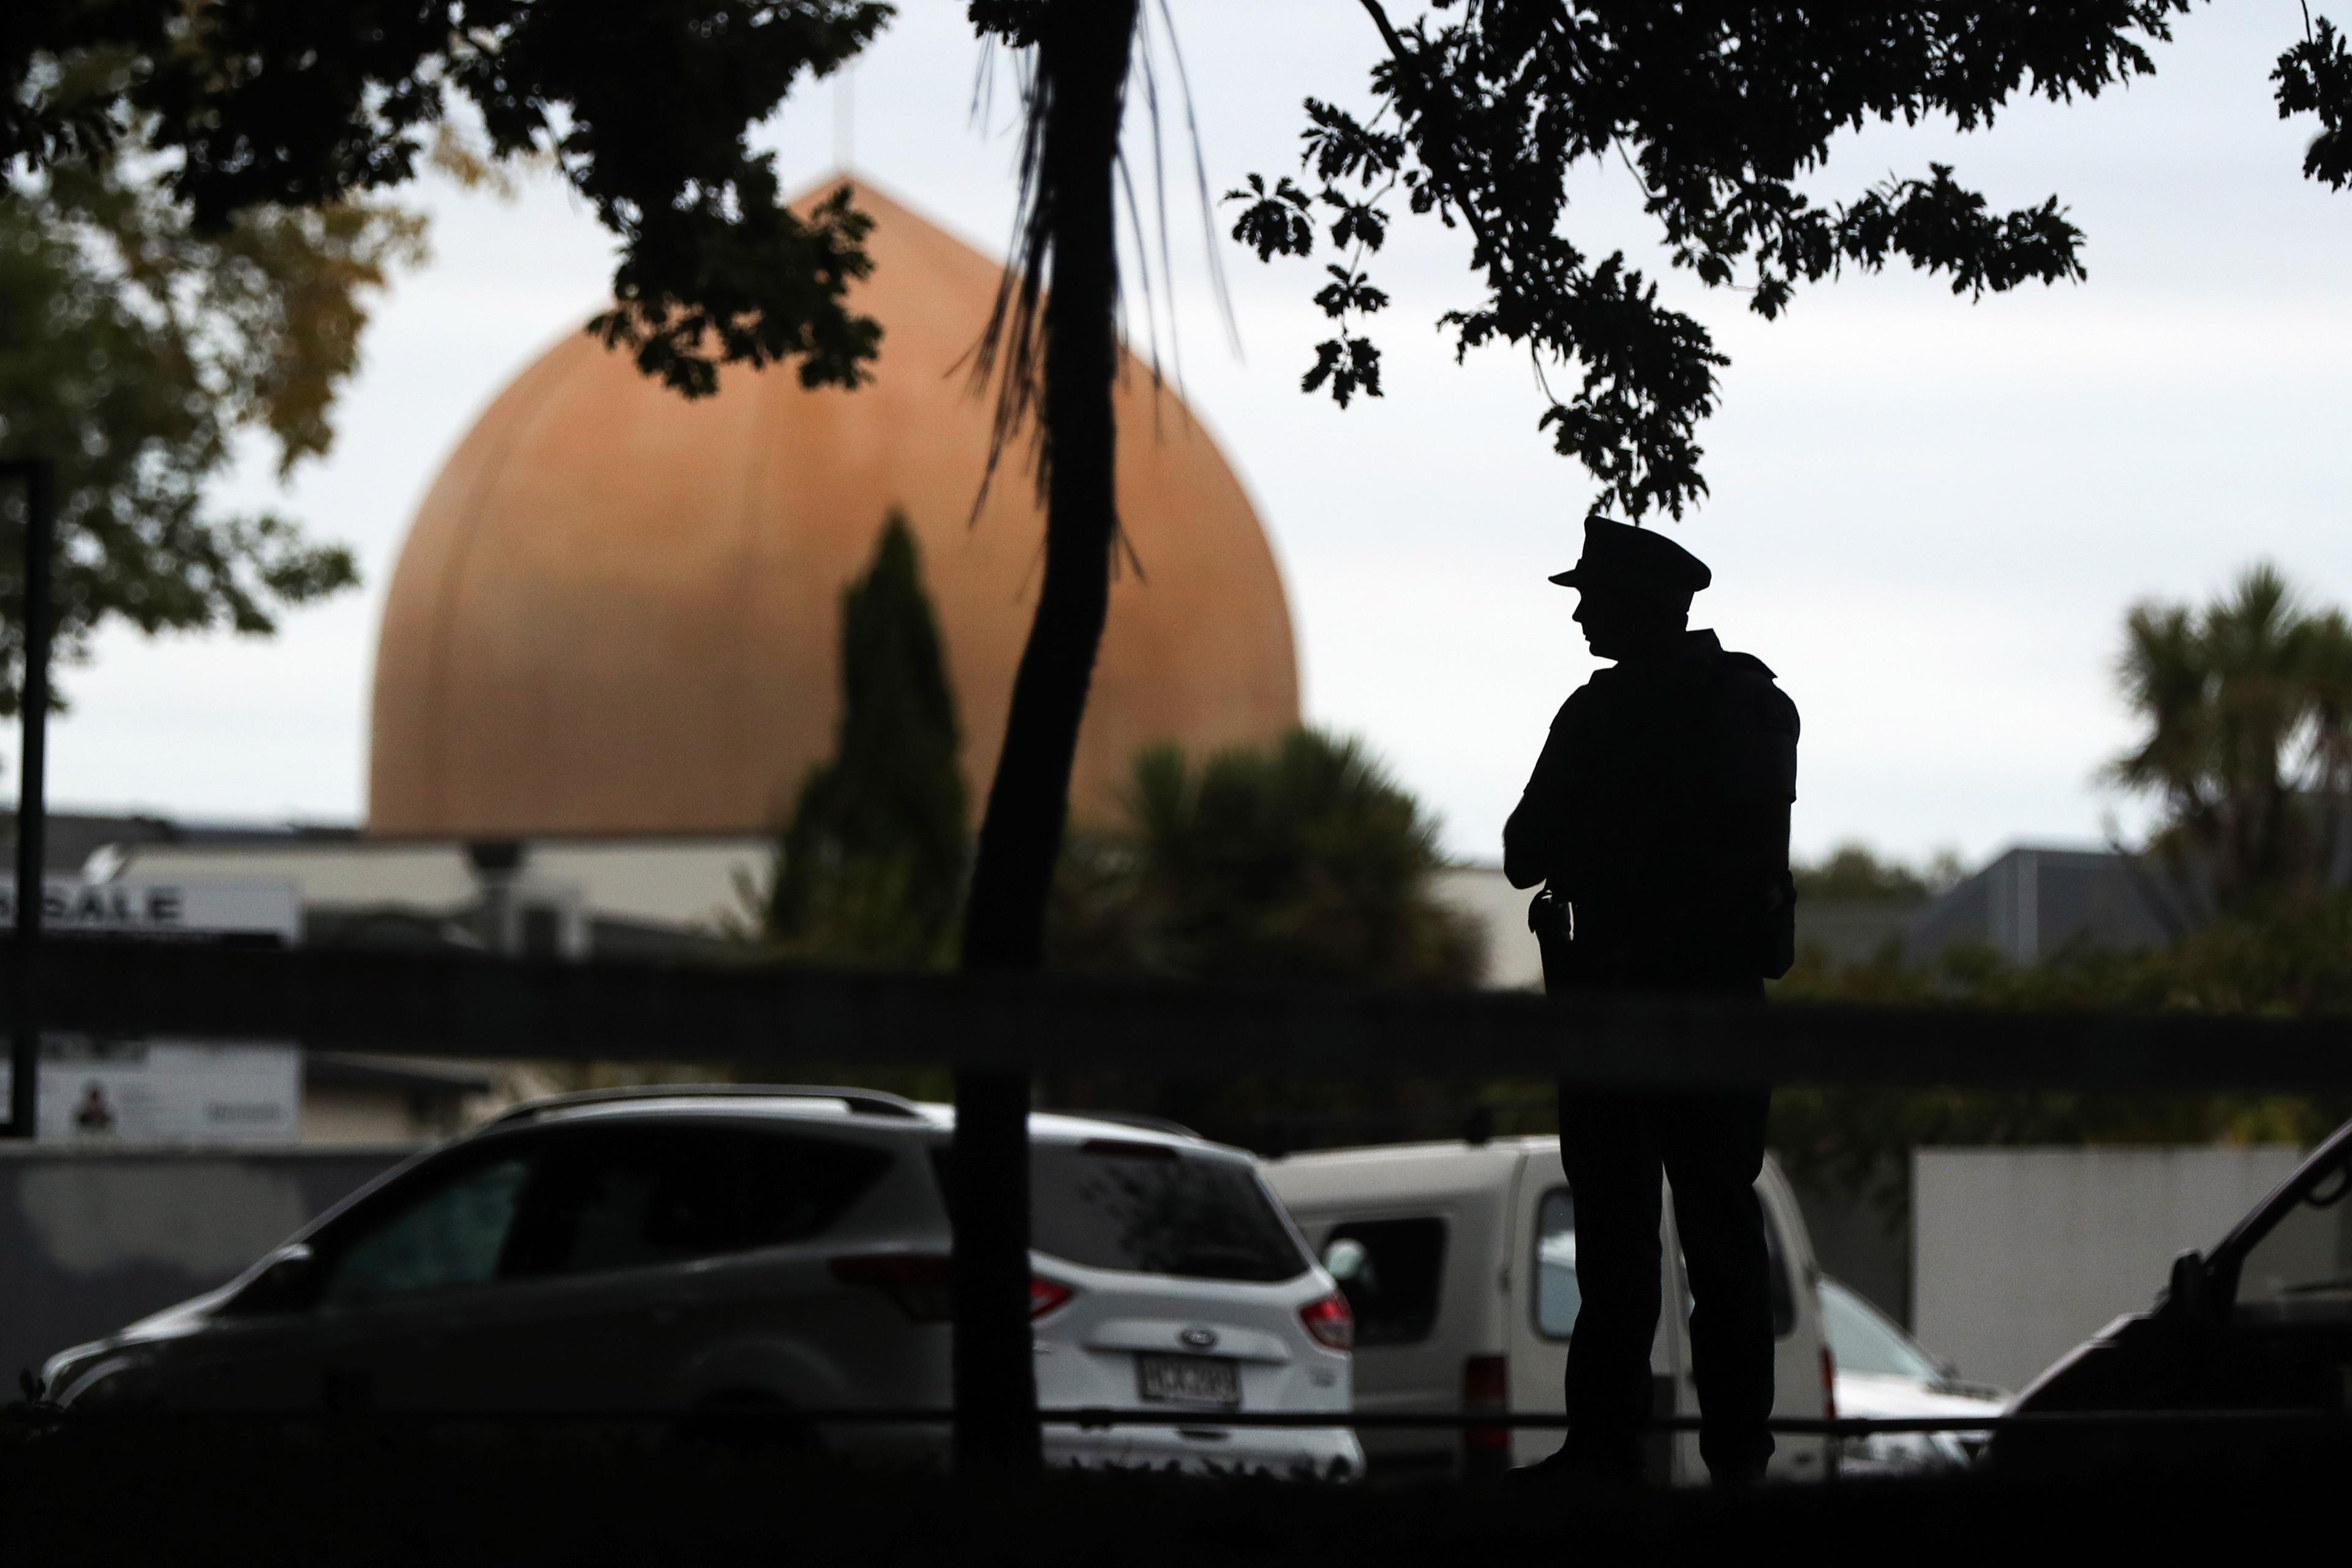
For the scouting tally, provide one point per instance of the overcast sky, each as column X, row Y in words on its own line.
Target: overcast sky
column 1928, row 516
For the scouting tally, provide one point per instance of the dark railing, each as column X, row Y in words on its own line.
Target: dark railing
column 774, row 1017
column 1102, row 1417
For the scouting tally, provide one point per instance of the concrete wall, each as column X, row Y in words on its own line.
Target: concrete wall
column 1484, row 894
column 2020, row 1255
column 90, row 1241
column 1862, row 1246
column 683, row 881
column 368, row 1118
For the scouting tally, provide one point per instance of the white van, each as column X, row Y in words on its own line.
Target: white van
column 1460, row 1263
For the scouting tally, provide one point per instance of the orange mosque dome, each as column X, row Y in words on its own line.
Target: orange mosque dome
column 618, row 611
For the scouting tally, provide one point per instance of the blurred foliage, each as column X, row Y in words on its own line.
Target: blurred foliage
column 2281, row 963
column 871, row 866
column 140, row 353
column 1853, row 873
column 2247, row 708
column 1302, row 862
column 646, row 112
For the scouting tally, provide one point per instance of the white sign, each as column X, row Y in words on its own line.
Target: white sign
column 169, row 912
column 167, row 1091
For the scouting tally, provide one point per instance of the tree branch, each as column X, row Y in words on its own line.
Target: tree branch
column 1450, row 175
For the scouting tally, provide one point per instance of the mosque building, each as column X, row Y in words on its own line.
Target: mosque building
column 617, row 611
column 609, row 652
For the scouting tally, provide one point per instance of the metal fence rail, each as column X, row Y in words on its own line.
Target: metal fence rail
column 1087, row 1418
column 465, row 1005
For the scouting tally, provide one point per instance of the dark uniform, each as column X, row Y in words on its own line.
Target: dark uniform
column 1657, row 818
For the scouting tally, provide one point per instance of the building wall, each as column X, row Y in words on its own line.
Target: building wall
column 342, row 1117
column 2020, row 1255
column 2029, row 903
column 1484, row 894
column 92, row 1240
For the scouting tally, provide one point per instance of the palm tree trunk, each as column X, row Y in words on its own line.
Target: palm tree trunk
column 1082, row 60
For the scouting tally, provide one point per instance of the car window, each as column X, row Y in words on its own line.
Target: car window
column 1862, row 1339
column 2300, row 1270
column 1389, row 1270
column 1116, row 1204
column 449, row 1229
column 632, row 1197
column 1557, row 1297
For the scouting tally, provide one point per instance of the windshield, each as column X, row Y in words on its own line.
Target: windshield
column 1862, row 1340
column 2298, row 1268
column 1112, row 1204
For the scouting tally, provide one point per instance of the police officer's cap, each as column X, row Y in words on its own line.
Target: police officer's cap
column 1618, row 556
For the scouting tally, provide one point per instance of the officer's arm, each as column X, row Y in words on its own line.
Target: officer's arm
column 1532, row 835
column 1523, row 861
column 1765, row 790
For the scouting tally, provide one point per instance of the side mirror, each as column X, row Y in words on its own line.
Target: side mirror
column 2189, row 1297
column 288, row 1283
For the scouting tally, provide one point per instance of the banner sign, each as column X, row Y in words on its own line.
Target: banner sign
column 269, row 912
column 167, row 1091
column 98, row 1089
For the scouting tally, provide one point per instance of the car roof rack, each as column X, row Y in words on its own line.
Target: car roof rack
column 867, row 1101
column 1138, row 1119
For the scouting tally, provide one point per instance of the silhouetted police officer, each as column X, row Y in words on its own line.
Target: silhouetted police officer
column 1657, row 819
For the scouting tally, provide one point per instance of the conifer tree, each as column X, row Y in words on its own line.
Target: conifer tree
column 871, row 865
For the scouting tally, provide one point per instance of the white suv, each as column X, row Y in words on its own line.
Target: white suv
column 1460, row 1262
column 707, row 1249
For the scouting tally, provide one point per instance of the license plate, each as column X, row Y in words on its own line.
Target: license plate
column 1210, row 1383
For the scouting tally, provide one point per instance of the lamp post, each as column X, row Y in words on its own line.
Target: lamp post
column 38, row 478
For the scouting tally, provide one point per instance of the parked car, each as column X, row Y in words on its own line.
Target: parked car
column 1882, row 1371
column 1459, row 1260
column 2264, row 1323
column 700, row 1249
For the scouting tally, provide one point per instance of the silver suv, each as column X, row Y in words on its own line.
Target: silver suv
column 722, row 1248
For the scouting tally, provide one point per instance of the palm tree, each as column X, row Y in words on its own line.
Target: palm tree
column 1303, row 860
column 2248, row 705
column 1056, row 353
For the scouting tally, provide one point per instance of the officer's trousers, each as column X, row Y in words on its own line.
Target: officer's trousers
column 1710, row 1146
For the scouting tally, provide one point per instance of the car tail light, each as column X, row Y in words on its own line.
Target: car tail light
column 920, row 1283
column 1329, row 1319
column 1044, row 1295
column 1486, row 1387
column 1829, row 1385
